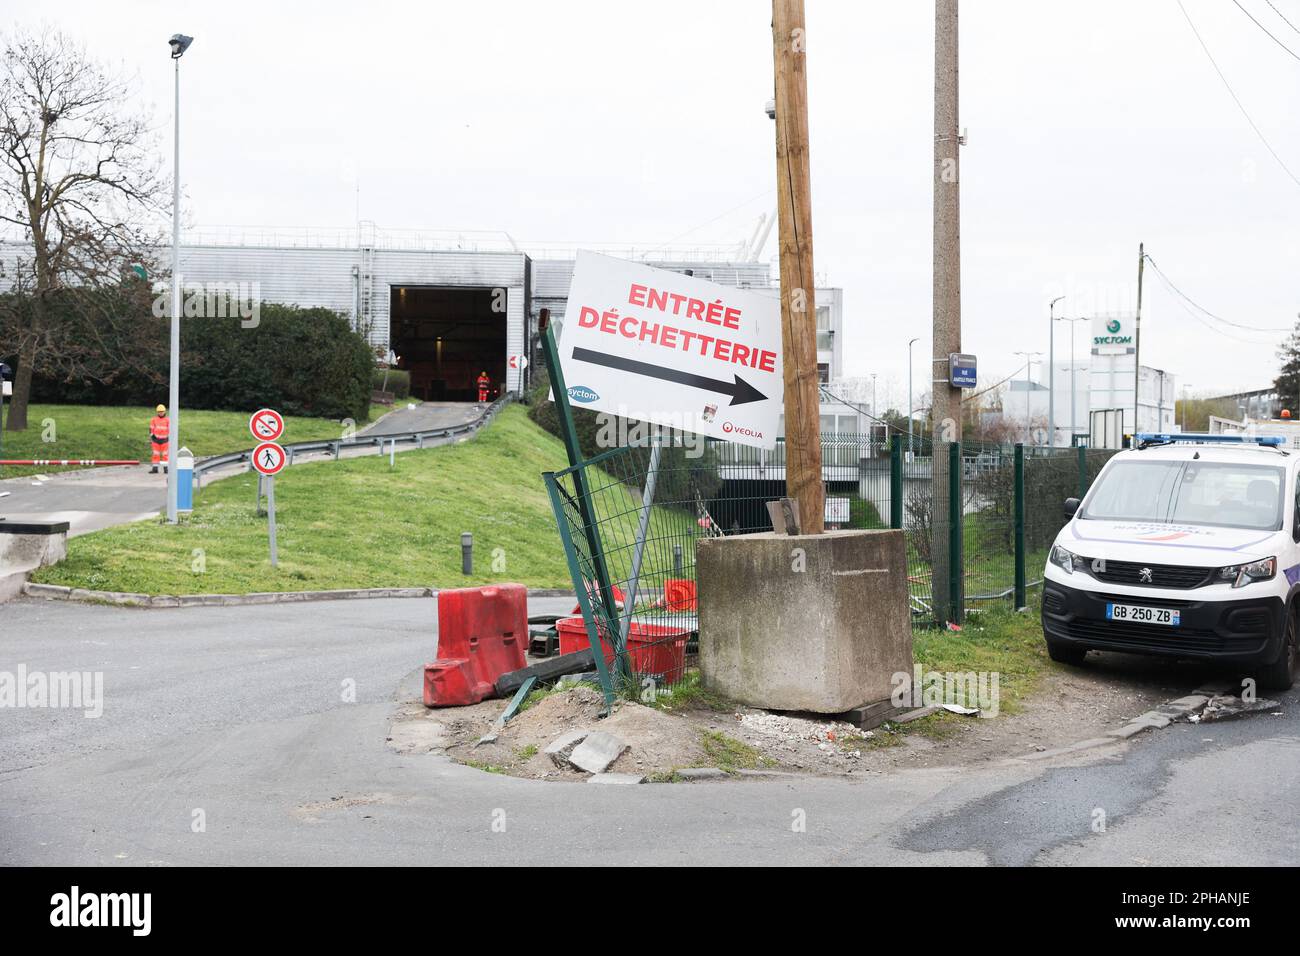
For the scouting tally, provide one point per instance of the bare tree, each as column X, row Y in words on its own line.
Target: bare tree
column 80, row 179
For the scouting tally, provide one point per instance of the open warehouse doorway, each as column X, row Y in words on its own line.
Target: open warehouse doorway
column 446, row 336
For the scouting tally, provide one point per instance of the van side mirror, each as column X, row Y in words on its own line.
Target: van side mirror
column 1071, row 506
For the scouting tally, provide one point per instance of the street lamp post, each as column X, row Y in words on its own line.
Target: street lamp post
column 1051, row 371
column 910, row 449
column 1073, row 368
column 179, row 43
column 1029, row 365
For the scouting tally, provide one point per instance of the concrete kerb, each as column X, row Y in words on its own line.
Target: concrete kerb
column 1161, row 717
column 57, row 592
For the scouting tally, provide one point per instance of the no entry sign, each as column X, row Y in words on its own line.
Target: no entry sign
column 266, row 424
column 268, row 458
column 674, row 350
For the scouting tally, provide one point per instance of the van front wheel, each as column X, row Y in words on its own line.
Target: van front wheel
column 1281, row 674
column 1066, row 653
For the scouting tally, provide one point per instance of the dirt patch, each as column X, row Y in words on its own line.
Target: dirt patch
column 1067, row 705
column 659, row 742
column 311, row 812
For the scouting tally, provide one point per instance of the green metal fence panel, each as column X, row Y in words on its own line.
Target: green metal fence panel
column 896, row 483
column 1000, row 509
column 1020, row 599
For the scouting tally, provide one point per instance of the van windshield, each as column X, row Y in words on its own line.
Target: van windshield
column 1220, row 494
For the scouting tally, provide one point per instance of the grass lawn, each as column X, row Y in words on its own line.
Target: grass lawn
column 994, row 638
column 122, row 432
column 356, row 523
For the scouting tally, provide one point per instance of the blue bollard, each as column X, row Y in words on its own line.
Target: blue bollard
column 184, row 480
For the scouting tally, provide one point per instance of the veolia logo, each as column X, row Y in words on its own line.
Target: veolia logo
column 1112, row 326
column 730, row 427
column 581, row 393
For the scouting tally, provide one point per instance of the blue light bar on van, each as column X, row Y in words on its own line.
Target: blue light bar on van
column 1152, row 438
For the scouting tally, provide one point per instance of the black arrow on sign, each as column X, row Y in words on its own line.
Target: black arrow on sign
column 741, row 392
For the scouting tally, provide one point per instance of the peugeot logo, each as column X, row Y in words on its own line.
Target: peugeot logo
column 1144, row 575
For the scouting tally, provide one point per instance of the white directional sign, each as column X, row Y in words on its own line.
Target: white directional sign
column 268, row 458
column 266, row 424
column 674, row 350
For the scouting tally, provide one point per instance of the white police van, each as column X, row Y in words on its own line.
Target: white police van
column 1186, row 546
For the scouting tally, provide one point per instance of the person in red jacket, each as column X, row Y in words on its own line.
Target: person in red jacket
column 483, row 384
column 160, row 428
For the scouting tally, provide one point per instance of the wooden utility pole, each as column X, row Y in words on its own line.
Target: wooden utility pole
column 947, row 416
column 803, row 449
column 1137, row 344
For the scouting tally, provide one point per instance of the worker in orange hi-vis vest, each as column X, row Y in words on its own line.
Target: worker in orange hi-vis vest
column 160, row 427
column 483, row 384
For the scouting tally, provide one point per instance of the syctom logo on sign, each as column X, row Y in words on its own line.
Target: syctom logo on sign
column 1109, row 335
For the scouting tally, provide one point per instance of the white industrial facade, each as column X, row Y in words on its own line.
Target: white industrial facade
column 356, row 272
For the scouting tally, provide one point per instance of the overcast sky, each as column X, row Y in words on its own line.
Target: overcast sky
column 1092, row 126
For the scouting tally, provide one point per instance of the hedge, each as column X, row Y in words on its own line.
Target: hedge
column 301, row 361
column 394, row 381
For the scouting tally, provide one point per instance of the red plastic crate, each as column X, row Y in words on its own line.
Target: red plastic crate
column 652, row 648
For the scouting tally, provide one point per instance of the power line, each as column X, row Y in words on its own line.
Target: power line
column 1201, row 319
column 721, row 215
column 974, row 395
column 1181, row 294
column 1266, row 30
column 1283, row 16
column 858, row 408
column 1235, row 98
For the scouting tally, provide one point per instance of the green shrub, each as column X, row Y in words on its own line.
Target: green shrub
column 297, row 360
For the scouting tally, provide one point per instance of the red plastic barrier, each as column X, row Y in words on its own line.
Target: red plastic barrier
column 679, row 594
column 652, row 648
column 482, row 634
column 450, row 684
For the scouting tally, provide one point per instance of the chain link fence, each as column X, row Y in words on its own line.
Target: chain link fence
column 978, row 519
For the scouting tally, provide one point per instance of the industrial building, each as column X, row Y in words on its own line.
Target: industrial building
column 447, row 306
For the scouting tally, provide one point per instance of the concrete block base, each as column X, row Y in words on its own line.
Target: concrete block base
column 815, row 623
column 26, row 546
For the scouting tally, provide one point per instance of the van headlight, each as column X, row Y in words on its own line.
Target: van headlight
column 1066, row 560
column 1242, row 574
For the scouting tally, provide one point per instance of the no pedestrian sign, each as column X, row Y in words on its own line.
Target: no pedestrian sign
column 268, row 458
column 674, row 350
column 266, row 424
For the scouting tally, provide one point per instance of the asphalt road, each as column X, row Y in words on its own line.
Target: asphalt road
column 239, row 716
column 96, row 498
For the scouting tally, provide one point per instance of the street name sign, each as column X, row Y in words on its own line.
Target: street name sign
column 961, row 370
column 674, row 350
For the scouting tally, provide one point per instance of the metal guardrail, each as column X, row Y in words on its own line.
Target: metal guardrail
column 336, row 446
